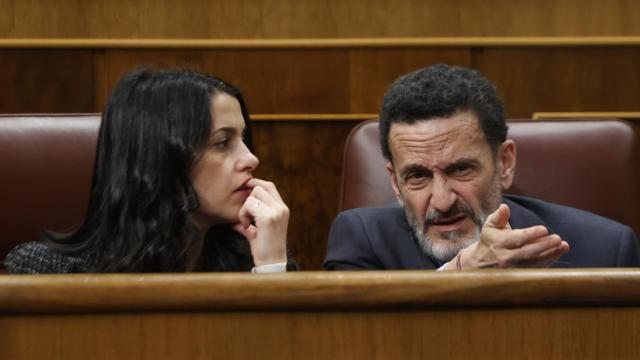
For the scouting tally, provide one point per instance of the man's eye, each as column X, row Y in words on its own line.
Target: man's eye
column 461, row 171
column 415, row 178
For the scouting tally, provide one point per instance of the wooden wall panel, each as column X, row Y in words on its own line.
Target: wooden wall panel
column 563, row 79
column 46, row 81
column 338, row 80
column 304, row 160
column 315, row 19
column 373, row 70
column 272, row 81
column 293, row 81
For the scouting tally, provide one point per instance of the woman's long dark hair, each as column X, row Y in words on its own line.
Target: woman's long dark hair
column 154, row 129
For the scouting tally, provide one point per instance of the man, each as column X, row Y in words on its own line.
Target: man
column 443, row 132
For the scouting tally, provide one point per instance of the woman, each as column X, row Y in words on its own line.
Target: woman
column 172, row 187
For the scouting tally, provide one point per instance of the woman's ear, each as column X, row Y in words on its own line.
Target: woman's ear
column 506, row 163
column 394, row 182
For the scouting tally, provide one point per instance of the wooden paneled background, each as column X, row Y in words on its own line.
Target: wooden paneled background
column 295, row 58
column 315, row 18
column 330, row 80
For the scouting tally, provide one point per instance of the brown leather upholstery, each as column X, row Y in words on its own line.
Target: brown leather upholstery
column 584, row 164
column 47, row 165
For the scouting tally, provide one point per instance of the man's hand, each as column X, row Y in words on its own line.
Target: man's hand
column 500, row 246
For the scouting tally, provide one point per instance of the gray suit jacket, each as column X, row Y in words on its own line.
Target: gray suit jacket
column 380, row 238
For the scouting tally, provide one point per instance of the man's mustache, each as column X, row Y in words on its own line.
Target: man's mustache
column 456, row 210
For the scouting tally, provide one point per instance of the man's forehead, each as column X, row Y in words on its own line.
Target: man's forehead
column 436, row 134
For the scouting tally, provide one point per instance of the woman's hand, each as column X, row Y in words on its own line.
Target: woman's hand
column 264, row 219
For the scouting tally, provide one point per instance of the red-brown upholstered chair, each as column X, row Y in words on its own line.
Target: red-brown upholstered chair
column 584, row 164
column 47, row 165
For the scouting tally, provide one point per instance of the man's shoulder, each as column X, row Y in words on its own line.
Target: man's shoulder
column 379, row 225
column 555, row 215
column 390, row 213
column 568, row 222
column 373, row 238
column 595, row 241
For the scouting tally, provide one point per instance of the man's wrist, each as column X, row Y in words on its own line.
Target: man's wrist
column 453, row 264
column 465, row 258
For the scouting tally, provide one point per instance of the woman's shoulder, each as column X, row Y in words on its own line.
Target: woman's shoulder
column 39, row 258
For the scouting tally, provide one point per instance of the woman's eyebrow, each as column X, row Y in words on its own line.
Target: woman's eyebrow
column 227, row 130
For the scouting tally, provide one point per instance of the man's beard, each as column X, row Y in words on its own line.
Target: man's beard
column 455, row 240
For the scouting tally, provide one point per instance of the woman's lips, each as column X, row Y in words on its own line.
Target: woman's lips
column 244, row 186
column 243, row 191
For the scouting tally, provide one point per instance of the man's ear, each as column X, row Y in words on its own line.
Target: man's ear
column 394, row 182
column 506, row 163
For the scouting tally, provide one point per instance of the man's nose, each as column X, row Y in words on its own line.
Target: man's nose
column 442, row 195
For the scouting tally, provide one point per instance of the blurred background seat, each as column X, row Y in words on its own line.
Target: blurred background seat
column 47, row 165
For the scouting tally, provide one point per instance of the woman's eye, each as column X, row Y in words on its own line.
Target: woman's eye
column 222, row 144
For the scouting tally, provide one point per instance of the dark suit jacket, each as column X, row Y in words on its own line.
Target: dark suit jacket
column 380, row 238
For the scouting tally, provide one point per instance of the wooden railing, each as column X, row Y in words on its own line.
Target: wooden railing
column 292, row 43
column 543, row 314
column 568, row 115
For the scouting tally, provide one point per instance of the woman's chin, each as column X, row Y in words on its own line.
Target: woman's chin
column 228, row 220
column 205, row 220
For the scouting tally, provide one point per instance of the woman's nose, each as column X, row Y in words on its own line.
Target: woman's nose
column 247, row 160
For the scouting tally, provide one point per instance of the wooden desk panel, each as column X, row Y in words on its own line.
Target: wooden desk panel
column 544, row 314
column 574, row 333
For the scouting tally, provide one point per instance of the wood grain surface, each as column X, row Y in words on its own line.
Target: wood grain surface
column 597, row 332
column 567, row 79
column 43, row 80
column 315, row 19
column 26, row 294
column 304, row 160
column 332, row 80
column 503, row 314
